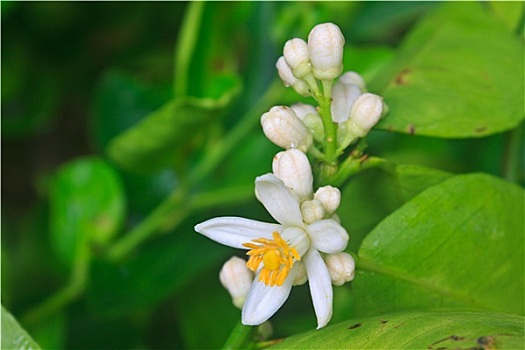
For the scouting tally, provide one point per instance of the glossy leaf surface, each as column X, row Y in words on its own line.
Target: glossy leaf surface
column 13, row 335
column 456, row 244
column 458, row 74
column 461, row 329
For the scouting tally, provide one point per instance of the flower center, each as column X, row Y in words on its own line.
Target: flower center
column 277, row 258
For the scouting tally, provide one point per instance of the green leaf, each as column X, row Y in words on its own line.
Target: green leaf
column 456, row 244
column 87, row 206
column 120, row 101
column 509, row 13
column 372, row 195
column 159, row 139
column 14, row 336
column 458, row 74
column 458, row 329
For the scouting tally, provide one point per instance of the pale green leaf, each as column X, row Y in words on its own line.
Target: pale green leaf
column 458, row 74
column 459, row 329
column 14, row 337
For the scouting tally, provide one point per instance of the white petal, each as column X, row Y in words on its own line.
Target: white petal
column 328, row 236
column 320, row 286
column 234, row 231
column 263, row 301
column 279, row 200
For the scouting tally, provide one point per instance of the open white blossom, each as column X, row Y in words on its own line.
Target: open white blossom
column 277, row 251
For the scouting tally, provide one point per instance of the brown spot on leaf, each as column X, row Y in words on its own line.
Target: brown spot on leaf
column 402, row 78
column 355, row 326
column 480, row 129
column 411, row 129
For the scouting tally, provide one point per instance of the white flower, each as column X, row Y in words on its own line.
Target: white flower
column 330, row 197
column 353, row 78
column 286, row 75
column 341, row 267
column 343, row 98
column 325, row 47
column 277, row 250
column 293, row 169
column 311, row 118
column 236, row 278
column 295, row 53
column 284, row 128
column 365, row 113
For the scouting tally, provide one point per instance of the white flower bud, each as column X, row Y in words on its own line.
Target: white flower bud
column 296, row 55
column 353, row 78
column 343, row 98
column 301, row 277
column 286, row 75
column 312, row 211
column 293, row 168
column 311, row 118
column 325, row 47
column 284, row 128
column 237, row 279
column 330, row 197
column 303, row 109
column 365, row 113
column 341, row 267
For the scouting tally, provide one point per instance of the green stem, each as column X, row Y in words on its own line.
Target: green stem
column 186, row 46
column 330, row 128
column 352, row 166
column 166, row 216
column 240, row 338
column 63, row 297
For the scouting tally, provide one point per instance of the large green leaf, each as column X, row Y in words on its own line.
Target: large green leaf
column 459, row 243
column 87, row 205
column 161, row 137
column 372, row 195
column 461, row 329
column 458, row 74
column 13, row 336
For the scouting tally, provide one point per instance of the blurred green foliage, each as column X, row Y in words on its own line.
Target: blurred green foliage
column 124, row 125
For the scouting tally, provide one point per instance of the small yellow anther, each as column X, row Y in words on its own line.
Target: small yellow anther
column 277, row 258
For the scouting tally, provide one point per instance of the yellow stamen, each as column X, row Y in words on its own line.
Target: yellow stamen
column 277, row 258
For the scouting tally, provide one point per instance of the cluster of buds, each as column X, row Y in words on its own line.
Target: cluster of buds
column 305, row 66
column 346, row 112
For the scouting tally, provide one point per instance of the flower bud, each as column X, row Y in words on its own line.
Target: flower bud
column 296, row 55
column 365, row 113
column 311, row 118
column 330, row 197
column 237, row 279
column 293, row 168
column 286, row 75
column 325, row 47
column 312, row 211
column 343, row 98
column 353, row 78
column 284, row 128
column 301, row 277
column 341, row 267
